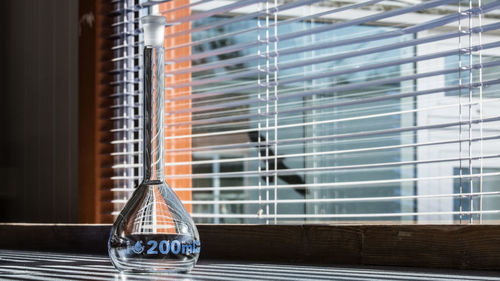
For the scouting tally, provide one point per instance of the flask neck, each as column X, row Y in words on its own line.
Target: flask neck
column 153, row 108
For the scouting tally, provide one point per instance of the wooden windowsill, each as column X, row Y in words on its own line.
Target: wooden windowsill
column 430, row 246
column 43, row 265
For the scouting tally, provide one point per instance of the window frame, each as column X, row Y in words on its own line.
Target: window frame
column 444, row 246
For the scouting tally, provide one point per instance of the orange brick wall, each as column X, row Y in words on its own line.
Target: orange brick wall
column 176, row 105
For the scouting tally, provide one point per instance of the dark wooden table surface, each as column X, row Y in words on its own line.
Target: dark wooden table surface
column 31, row 265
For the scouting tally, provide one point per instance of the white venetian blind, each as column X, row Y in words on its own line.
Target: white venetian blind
column 328, row 111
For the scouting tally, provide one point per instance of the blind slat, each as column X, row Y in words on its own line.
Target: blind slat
column 325, row 169
column 338, row 200
column 339, row 184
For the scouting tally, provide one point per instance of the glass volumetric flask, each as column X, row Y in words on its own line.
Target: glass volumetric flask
column 154, row 232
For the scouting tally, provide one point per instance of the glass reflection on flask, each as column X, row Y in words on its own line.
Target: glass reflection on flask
column 154, row 232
